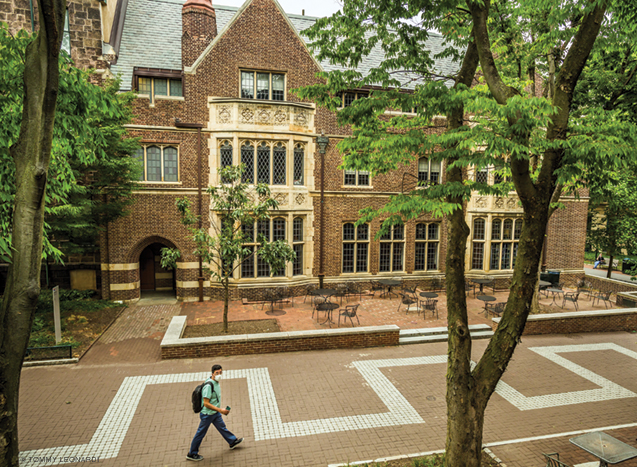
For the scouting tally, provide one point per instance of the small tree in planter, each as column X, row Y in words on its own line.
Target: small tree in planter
column 239, row 207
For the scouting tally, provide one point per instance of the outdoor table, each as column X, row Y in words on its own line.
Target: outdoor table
column 607, row 449
column 554, row 291
column 325, row 294
column 482, row 283
column 389, row 283
column 485, row 299
column 328, row 307
column 545, row 284
column 429, row 294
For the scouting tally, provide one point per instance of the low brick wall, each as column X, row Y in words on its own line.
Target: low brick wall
column 611, row 285
column 624, row 319
column 173, row 346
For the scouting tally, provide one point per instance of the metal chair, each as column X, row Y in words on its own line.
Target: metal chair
column 405, row 299
column 316, row 301
column 436, row 285
column 341, row 291
column 348, row 312
column 354, row 289
column 377, row 287
column 570, row 297
column 497, row 308
column 553, row 460
column 429, row 304
column 308, row 290
column 605, row 296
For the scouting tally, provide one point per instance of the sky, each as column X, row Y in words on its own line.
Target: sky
column 312, row 7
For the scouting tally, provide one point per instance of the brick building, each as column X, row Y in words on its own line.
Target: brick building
column 214, row 89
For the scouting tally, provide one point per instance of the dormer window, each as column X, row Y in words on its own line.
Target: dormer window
column 158, row 84
column 262, row 85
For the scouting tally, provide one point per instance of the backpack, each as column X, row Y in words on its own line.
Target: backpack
column 197, row 396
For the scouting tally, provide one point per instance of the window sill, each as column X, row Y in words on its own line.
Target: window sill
column 147, row 182
column 170, row 98
column 363, row 187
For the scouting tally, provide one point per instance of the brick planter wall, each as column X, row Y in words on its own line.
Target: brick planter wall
column 173, row 346
column 580, row 321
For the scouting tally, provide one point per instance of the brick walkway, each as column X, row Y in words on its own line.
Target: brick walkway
column 327, row 407
column 134, row 337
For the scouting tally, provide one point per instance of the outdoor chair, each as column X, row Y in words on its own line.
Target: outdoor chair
column 497, row 308
column 316, row 301
column 348, row 312
column 468, row 287
column 308, row 290
column 410, row 291
column 436, row 285
column 605, row 296
column 492, row 284
column 354, row 289
column 405, row 299
column 284, row 294
column 377, row 287
column 570, row 297
column 553, row 460
column 341, row 291
column 429, row 304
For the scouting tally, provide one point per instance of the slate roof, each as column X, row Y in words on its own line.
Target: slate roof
column 151, row 38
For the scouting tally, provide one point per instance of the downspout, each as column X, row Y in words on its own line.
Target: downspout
column 321, row 274
column 32, row 20
column 198, row 126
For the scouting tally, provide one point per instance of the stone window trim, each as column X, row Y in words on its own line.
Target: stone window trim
column 66, row 34
column 427, row 247
column 355, row 249
column 391, row 250
column 252, row 89
column 144, row 83
column 143, row 155
column 494, row 242
column 357, row 178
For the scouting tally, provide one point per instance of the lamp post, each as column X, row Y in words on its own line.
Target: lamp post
column 322, row 142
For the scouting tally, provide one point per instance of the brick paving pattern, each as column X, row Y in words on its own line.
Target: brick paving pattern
column 309, row 387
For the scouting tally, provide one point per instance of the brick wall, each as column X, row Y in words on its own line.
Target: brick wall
column 583, row 321
column 290, row 344
column 566, row 235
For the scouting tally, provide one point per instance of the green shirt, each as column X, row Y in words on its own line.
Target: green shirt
column 215, row 397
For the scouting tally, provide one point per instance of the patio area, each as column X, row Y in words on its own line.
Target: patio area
column 296, row 314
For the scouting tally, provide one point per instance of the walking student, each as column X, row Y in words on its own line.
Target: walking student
column 211, row 414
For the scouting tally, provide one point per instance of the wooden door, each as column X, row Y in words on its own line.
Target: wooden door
column 147, row 269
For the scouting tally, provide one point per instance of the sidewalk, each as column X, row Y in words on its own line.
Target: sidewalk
column 327, row 407
column 617, row 275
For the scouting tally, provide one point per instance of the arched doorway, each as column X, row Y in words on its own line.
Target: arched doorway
column 153, row 279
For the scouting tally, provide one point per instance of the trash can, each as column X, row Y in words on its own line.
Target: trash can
column 628, row 265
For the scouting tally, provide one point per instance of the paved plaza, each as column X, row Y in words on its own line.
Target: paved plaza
column 320, row 408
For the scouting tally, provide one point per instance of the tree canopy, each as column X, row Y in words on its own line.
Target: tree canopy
column 91, row 175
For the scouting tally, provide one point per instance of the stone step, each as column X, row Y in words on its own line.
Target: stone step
column 440, row 338
column 440, row 330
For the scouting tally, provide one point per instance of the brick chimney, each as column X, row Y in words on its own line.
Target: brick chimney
column 199, row 28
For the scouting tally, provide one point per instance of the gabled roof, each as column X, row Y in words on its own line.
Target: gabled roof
column 152, row 38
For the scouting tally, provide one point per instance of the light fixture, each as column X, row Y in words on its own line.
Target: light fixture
column 322, row 142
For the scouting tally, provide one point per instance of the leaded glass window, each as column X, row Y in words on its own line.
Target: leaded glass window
column 299, row 162
column 144, row 85
column 176, row 88
column 247, row 264
column 350, row 177
column 262, row 85
column 139, row 155
column 170, row 164
column 263, row 163
column 247, row 84
column 349, row 98
column 391, row 249
column 278, row 229
column 279, row 155
column 476, row 257
column 297, row 229
column 501, row 246
column 482, row 175
column 153, row 164
column 66, row 34
column 263, row 228
column 247, row 159
column 161, row 87
column 356, row 177
column 477, row 260
column 428, row 171
column 225, row 155
column 427, row 245
column 297, row 238
column 278, row 87
column 355, row 247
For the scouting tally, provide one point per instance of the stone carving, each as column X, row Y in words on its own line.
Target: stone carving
column 224, row 115
column 481, row 202
column 281, row 198
column 301, row 118
column 247, row 115
column 264, row 117
column 299, row 198
column 281, row 117
column 499, row 203
column 512, row 203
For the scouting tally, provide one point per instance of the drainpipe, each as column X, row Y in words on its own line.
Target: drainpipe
column 322, row 142
column 198, row 126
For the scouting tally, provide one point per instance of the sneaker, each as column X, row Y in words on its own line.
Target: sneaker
column 236, row 443
column 194, row 457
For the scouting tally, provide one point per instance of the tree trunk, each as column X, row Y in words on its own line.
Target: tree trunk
column 226, row 299
column 31, row 154
column 610, row 267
